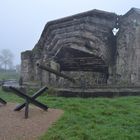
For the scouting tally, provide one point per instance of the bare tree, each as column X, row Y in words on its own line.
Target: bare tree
column 6, row 58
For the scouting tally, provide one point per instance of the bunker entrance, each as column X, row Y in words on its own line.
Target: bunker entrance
column 84, row 66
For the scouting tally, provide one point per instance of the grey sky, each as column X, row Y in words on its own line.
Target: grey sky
column 22, row 21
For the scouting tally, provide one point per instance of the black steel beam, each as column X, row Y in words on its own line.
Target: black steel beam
column 37, row 94
column 26, row 109
column 26, row 97
column 2, row 101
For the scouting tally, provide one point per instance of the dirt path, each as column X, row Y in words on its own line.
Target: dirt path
column 13, row 126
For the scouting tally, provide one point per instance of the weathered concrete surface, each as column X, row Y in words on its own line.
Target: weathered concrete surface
column 128, row 49
column 98, row 92
column 83, row 42
column 84, row 47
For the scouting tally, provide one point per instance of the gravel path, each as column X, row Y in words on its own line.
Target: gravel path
column 13, row 126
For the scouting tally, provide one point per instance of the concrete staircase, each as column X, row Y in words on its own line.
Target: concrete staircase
column 104, row 91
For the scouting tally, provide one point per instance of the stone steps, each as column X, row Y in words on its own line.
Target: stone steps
column 99, row 92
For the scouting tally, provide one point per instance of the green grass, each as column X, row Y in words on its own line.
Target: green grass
column 92, row 119
column 4, row 75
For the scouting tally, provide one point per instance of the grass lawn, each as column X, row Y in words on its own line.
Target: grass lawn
column 92, row 119
column 4, row 75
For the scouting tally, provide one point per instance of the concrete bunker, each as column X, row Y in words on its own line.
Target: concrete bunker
column 84, row 47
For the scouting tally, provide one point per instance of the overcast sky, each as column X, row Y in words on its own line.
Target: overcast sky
column 22, row 21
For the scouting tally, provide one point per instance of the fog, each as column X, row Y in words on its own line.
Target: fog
column 22, row 21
